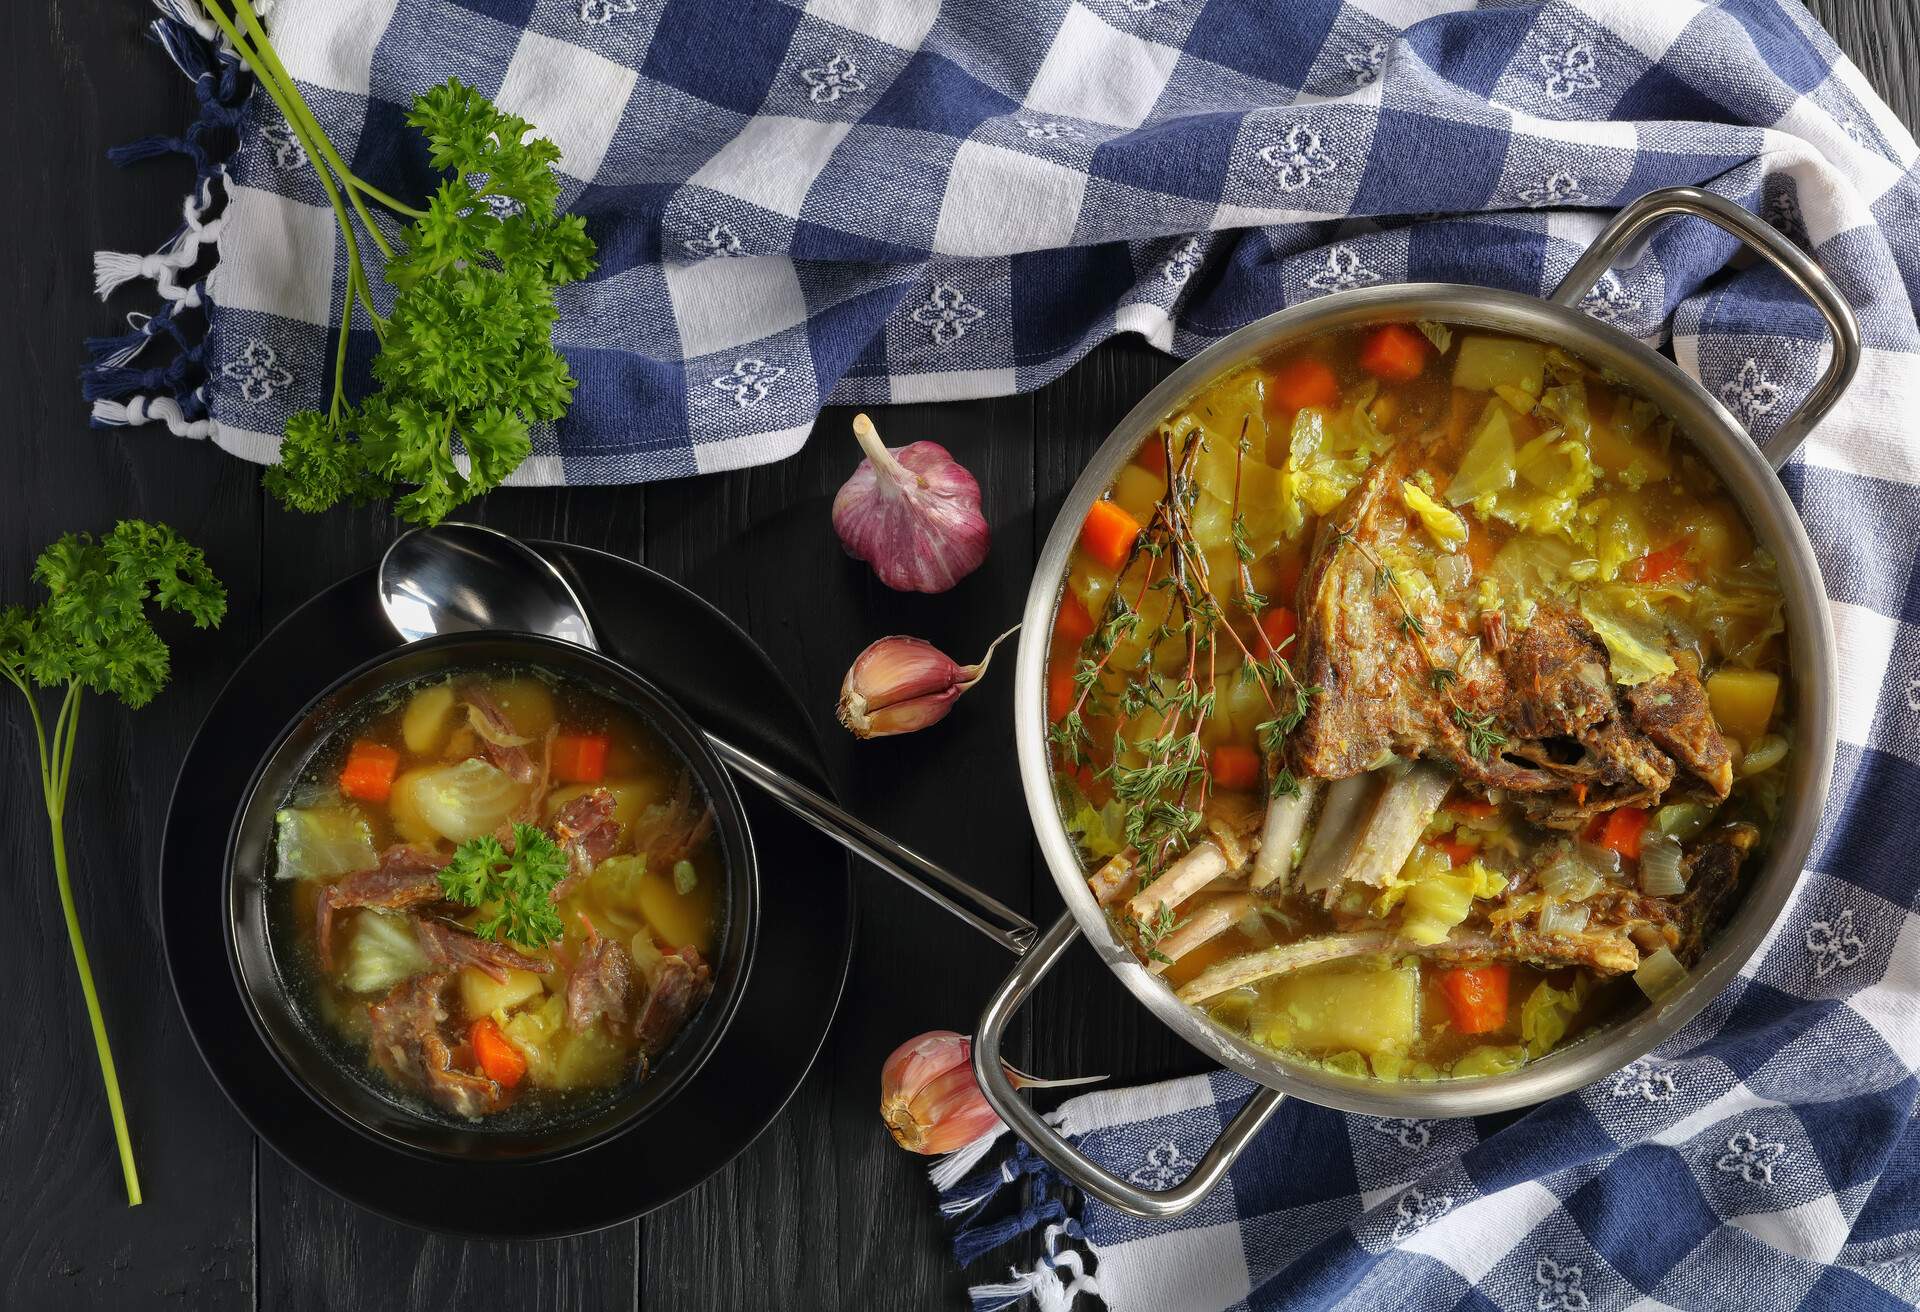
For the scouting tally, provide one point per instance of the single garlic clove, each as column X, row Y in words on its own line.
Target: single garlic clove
column 900, row 684
column 912, row 512
column 930, row 1100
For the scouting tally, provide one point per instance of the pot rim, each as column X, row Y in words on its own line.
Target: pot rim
column 1742, row 469
column 717, row 1013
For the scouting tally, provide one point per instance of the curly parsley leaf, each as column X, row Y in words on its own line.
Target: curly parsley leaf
column 514, row 888
column 94, row 633
column 466, row 365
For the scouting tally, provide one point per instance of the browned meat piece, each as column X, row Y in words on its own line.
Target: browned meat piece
column 681, row 983
column 676, row 827
column 601, row 983
column 1378, row 697
column 1557, row 673
column 449, row 945
column 1567, row 721
column 587, row 832
column 1673, row 712
column 1608, row 951
column 497, row 736
column 1713, row 880
column 406, row 877
column 409, row 1043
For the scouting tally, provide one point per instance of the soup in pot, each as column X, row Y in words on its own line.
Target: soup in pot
column 1417, row 697
column 499, row 890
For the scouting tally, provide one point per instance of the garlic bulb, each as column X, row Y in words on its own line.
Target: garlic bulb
column 912, row 512
column 900, row 684
column 929, row 1099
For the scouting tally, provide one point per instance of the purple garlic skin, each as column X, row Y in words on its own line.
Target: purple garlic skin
column 901, row 684
column 913, row 513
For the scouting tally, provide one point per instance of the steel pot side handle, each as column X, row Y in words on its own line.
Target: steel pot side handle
column 1764, row 240
column 1049, row 1143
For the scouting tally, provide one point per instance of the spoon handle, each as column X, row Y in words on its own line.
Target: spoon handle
column 989, row 915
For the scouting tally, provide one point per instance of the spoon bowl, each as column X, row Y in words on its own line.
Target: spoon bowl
column 465, row 578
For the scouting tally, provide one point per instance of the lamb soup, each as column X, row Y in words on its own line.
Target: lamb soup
column 498, row 891
column 1413, row 690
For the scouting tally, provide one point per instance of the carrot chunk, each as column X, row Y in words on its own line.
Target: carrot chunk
column 1236, row 768
column 499, row 1060
column 1152, row 455
column 1300, row 383
column 1279, row 626
column 1476, row 996
column 1071, row 625
column 368, row 774
column 1620, row 829
column 1108, row 535
column 580, row 758
column 1394, row 352
column 1473, row 808
column 1458, row 853
column 1667, row 565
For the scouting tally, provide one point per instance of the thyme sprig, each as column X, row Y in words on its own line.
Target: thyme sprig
column 1162, row 777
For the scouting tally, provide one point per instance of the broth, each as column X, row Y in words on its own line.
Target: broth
column 1412, row 690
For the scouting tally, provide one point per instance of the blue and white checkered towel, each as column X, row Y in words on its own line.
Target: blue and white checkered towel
column 877, row 200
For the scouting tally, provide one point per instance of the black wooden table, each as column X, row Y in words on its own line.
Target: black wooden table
column 822, row 1211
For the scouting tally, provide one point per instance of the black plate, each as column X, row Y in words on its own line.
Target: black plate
column 714, row 670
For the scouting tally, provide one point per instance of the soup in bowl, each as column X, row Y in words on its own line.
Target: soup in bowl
column 492, row 894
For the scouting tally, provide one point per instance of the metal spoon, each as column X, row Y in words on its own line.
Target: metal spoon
column 462, row 578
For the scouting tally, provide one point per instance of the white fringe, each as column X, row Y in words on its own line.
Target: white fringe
column 1050, row 1291
column 114, row 269
column 949, row 1170
column 138, row 410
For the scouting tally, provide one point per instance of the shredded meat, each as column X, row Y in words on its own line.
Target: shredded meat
column 681, row 983
column 587, row 832
column 406, row 877
column 514, row 760
column 450, row 946
column 601, row 983
column 677, row 826
column 409, row 1043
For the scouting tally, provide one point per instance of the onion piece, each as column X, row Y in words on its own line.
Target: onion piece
column 1660, row 973
column 1660, row 871
column 494, row 728
column 1570, row 879
column 1768, row 750
column 1564, row 917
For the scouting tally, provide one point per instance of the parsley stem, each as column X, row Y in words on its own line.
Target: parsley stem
column 269, row 61
column 56, row 768
column 339, row 398
column 315, row 157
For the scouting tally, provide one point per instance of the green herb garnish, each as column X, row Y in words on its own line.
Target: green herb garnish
column 92, row 634
column 516, row 888
column 1482, row 736
column 467, row 354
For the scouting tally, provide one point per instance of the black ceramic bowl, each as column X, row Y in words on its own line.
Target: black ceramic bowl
column 339, row 1078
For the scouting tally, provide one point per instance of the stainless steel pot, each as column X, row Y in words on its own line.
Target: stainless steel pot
column 1748, row 473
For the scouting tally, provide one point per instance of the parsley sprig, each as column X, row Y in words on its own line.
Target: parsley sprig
column 466, row 354
column 93, row 634
column 515, row 888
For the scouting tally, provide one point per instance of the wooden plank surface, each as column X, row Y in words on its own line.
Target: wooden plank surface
column 822, row 1211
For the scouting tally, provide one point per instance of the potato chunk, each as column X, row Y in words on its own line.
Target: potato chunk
column 1364, row 1009
column 1742, row 701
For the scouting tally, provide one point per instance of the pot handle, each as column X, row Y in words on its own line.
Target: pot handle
column 1761, row 238
column 1088, row 1174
